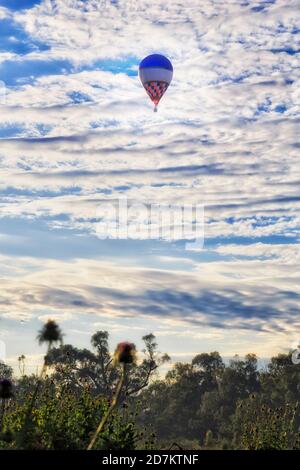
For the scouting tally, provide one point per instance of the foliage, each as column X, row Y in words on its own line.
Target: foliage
column 265, row 428
column 83, row 399
column 61, row 410
column 6, row 372
column 205, row 400
column 65, row 420
column 78, row 366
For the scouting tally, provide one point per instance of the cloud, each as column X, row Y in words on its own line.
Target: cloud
column 230, row 297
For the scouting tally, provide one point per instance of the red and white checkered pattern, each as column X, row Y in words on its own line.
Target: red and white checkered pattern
column 156, row 90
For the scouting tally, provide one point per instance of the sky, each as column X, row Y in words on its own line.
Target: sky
column 78, row 132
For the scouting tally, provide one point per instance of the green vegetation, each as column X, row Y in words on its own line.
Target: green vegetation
column 86, row 399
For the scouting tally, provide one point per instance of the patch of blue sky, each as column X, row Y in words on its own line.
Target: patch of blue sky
column 287, row 50
column 42, row 239
column 104, row 124
column 258, row 8
column 128, row 65
column 232, row 79
column 15, row 192
column 280, row 108
column 14, row 39
column 16, row 5
column 260, row 221
column 39, row 238
column 246, row 240
column 245, row 120
column 25, row 71
column 240, row 78
column 122, row 188
column 10, row 131
column 20, row 72
column 263, row 107
column 169, row 184
column 103, row 191
column 43, row 129
column 261, row 5
column 78, row 97
column 284, row 28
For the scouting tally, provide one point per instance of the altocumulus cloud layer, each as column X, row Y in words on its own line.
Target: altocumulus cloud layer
column 77, row 130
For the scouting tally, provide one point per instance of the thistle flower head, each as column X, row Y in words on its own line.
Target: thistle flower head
column 125, row 353
column 6, row 389
column 50, row 333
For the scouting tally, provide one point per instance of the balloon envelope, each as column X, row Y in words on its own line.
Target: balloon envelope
column 156, row 73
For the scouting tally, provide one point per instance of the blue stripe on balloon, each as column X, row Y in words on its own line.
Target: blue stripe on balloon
column 156, row 60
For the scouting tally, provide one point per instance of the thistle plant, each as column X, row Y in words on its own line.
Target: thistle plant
column 124, row 355
column 268, row 428
column 49, row 334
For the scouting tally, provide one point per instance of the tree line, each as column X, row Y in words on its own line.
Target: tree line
column 86, row 398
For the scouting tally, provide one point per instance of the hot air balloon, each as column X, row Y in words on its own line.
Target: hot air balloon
column 156, row 73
